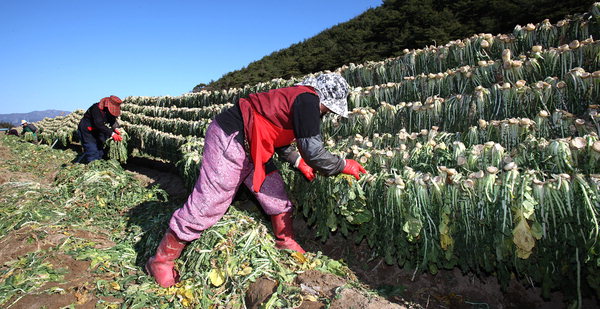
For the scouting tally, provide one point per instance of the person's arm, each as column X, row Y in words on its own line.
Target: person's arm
column 112, row 121
column 288, row 154
column 98, row 122
column 307, row 129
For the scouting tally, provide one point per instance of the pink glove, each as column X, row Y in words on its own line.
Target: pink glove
column 306, row 170
column 353, row 168
column 116, row 137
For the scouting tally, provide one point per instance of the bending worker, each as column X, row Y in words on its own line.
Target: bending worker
column 238, row 148
column 29, row 127
column 98, row 124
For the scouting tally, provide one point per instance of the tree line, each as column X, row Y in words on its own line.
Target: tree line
column 385, row 31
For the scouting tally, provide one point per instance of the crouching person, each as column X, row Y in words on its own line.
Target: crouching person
column 97, row 125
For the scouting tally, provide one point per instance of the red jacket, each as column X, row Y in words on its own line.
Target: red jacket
column 268, row 125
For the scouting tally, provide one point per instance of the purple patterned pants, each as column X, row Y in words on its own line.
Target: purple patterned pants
column 224, row 167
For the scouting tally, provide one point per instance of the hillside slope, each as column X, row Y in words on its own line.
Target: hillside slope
column 385, row 31
column 15, row 118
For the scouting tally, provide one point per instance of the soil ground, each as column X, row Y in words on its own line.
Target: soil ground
column 28, row 239
column 79, row 280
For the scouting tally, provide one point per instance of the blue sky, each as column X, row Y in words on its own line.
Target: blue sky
column 66, row 55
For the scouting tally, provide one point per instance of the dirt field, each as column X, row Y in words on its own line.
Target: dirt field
column 38, row 238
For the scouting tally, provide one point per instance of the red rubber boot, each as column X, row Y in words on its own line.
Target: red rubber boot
column 284, row 232
column 162, row 265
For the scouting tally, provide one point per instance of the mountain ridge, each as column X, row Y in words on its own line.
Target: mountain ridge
column 15, row 118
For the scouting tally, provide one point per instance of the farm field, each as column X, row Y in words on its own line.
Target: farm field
column 484, row 168
column 77, row 235
column 66, row 245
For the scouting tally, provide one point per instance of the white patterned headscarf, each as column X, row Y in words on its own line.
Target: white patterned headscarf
column 332, row 90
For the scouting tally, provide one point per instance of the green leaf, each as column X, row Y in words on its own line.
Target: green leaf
column 412, row 227
column 537, row 231
column 528, row 208
column 335, row 267
column 351, row 195
column 360, row 217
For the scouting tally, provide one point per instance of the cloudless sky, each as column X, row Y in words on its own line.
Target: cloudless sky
column 67, row 54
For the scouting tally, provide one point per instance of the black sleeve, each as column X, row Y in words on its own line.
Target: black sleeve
column 306, row 115
column 307, row 129
column 98, row 120
column 287, row 154
column 112, row 121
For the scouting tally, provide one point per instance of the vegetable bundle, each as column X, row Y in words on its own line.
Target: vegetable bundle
column 60, row 129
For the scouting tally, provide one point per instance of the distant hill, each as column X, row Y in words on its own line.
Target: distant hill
column 384, row 32
column 15, row 118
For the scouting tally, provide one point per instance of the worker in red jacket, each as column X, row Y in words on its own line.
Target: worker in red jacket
column 238, row 148
column 97, row 125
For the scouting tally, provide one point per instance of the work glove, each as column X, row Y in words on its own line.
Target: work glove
column 117, row 131
column 306, row 170
column 353, row 168
column 116, row 137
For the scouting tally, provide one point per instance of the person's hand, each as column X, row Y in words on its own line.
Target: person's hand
column 116, row 137
column 306, row 170
column 117, row 131
column 353, row 168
